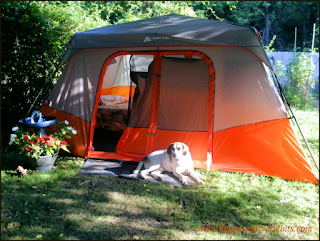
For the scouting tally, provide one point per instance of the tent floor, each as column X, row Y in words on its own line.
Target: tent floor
column 104, row 140
column 107, row 141
column 123, row 169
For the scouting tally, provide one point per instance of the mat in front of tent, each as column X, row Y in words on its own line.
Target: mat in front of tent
column 123, row 169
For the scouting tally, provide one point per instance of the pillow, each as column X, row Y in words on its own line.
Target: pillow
column 112, row 99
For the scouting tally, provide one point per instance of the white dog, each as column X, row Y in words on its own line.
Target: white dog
column 176, row 159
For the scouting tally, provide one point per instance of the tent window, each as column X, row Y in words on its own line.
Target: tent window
column 184, row 94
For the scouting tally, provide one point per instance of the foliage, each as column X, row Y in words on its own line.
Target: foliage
column 270, row 18
column 35, row 146
column 68, row 17
column 300, row 81
column 159, row 8
column 34, row 37
column 268, row 48
column 280, row 68
column 29, row 51
column 128, row 11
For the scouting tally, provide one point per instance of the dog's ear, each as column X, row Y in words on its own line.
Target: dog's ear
column 170, row 150
column 185, row 149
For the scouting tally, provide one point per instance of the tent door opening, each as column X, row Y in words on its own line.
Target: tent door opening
column 116, row 97
column 155, row 100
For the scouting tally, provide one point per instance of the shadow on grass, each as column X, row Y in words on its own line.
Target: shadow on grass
column 62, row 205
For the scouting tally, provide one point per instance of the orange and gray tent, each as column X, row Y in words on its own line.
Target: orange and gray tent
column 206, row 83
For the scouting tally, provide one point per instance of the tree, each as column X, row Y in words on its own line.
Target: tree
column 34, row 36
column 270, row 18
column 116, row 12
column 28, row 55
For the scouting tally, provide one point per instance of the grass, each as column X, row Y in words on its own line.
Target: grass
column 309, row 124
column 62, row 205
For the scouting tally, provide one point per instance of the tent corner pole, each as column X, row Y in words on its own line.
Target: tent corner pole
column 296, row 121
column 305, row 140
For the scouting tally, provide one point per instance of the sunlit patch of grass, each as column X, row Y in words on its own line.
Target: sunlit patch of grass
column 309, row 124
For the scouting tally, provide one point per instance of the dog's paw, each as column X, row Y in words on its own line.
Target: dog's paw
column 184, row 181
column 136, row 172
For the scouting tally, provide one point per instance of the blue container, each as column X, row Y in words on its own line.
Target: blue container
column 39, row 127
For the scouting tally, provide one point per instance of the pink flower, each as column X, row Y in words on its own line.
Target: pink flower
column 63, row 147
column 49, row 142
column 36, row 148
column 44, row 136
column 51, row 138
column 27, row 148
column 58, row 142
column 38, row 138
column 25, row 138
column 31, row 141
column 63, row 142
column 43, row 141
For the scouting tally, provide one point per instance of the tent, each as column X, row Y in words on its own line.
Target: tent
column 133, row 88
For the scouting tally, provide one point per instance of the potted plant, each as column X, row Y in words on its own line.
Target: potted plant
column 42, row 150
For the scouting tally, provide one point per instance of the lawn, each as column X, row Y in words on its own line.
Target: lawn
column 63, row 205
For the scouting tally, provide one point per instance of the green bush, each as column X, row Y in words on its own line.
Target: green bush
column 34, row 38
column 299, row 81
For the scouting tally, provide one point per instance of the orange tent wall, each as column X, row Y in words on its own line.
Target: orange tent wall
column 266, row 148
column 133, row 142
column 120, row 90
column 78, row 143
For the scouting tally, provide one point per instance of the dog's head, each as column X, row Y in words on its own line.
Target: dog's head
column 177, row 150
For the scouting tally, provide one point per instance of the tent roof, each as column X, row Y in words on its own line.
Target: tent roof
column 168, row 30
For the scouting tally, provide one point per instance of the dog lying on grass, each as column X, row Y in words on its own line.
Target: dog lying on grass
column 176, row 159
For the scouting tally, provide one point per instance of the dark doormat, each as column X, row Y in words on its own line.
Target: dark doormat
column 124, row 169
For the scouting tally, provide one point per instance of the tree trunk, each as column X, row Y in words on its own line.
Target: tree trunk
column 266, row 35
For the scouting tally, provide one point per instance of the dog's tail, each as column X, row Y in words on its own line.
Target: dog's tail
column 137, row 170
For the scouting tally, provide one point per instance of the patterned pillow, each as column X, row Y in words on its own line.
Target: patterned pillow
column 112, row 99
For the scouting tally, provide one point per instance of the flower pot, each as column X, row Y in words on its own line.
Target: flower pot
column 43, row 163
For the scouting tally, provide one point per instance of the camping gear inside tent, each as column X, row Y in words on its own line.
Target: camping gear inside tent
column 133, row 88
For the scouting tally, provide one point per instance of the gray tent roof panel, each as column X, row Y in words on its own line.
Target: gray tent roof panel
column 168, row 30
